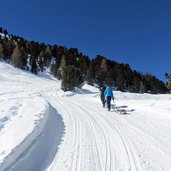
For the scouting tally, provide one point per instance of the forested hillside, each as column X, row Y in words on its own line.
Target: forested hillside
column 36, row 57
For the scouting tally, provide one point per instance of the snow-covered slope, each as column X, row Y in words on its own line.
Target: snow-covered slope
column 43, row 128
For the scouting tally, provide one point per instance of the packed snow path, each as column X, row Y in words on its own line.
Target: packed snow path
column 98, row 140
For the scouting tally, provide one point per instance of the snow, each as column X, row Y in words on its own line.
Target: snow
column 2, row 35
column 44, row 128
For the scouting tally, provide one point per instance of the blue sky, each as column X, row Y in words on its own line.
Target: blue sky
column 127, row 31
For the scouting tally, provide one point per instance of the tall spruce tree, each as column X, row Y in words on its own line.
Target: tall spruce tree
column 142, row 87
column 19, row 58
column 90, row 75
column 47, row 56
column 101, row 75
column 34, row 67
column 62, row 63
column 8, row 48
column 71, row 78
column 40, row 61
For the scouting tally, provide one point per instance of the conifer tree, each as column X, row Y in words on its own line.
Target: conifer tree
column 18, row 58
column 142, row 87
column 8, row 48
column 136, row 84
column 83, row 63
column 40, row 61
column 90, row 75
column 47, row 56
column 102, row 74
column 1, row 51
column 62, row 63
column 61, row 67
column 104, row 65
column 120, row 81
column 71, row 78
column 54, row 70
column 34, row 66
column 168, row 85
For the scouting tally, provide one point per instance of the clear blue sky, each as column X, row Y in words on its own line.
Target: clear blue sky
column 137, row 32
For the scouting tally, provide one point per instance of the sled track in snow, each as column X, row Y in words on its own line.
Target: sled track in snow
column 130, row 145
column 132, row 160
column 89, row 118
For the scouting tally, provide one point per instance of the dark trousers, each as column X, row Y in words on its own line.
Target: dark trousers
column 108, row 102
column 103, row 100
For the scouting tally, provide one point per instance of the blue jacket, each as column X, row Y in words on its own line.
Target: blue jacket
column 108, row 92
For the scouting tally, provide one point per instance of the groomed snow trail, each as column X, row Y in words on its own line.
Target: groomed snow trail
column 98, row 140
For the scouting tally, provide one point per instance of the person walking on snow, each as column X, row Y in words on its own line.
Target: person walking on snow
column 108, row 94
column 102, row 97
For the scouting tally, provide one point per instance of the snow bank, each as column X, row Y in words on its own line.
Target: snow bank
column 19, row 119
column 38, row 149
column 22, row 107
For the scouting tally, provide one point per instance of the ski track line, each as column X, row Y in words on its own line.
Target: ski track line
column 91, row 118
column 104, row 133
column 93, row 128
column 76, row 131
column 159, row 117
column 77, row 111
column 151, row 144
column 132, row 158
column 145, row 133
column 125, row 147
column 89, row 127
column 150, row 116
column 132, row 152
column 108, row 153
column 155, row 127
column 127, row 126
column 122, row 123
column 101, row 127
column 128, row 151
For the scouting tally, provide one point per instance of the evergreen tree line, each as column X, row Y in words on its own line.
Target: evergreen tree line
column 73, row 67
